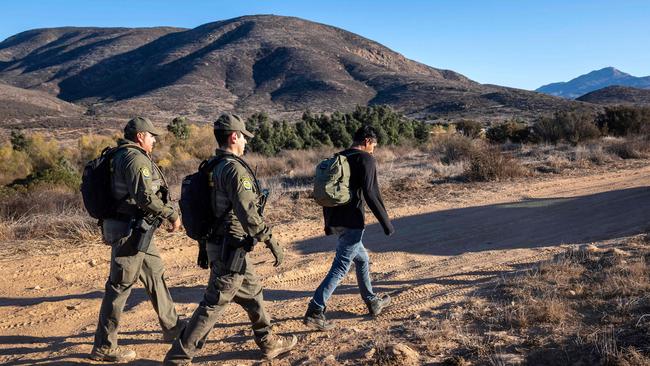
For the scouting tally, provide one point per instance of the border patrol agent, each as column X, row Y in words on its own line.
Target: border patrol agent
column 235, row 200
column 140, row 189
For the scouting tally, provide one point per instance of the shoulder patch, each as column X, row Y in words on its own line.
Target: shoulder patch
column 145, row 172
column 246, row 183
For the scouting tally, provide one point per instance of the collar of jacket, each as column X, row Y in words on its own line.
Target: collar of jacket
column 130, row 144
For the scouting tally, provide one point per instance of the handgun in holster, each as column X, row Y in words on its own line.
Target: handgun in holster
column 142, row 230
column 233, row 252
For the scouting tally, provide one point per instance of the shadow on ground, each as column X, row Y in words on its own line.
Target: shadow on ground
column 527, row 224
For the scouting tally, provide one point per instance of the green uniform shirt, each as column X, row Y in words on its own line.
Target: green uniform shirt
column 236, row 193
column 136, row 176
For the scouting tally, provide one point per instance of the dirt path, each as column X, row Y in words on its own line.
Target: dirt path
column 442, row 251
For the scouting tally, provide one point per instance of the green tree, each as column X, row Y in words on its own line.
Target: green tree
column 179, row 128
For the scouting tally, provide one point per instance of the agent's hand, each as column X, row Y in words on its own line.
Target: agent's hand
column 176, row 225
column 202, row 259
column 277, row 251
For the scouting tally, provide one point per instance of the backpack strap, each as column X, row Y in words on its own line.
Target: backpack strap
column 207, row 166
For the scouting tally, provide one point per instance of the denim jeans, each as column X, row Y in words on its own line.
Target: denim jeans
column 349, row 249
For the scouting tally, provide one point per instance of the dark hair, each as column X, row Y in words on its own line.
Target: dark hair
column 130, row 134
column 364, row 132
column 222, row 136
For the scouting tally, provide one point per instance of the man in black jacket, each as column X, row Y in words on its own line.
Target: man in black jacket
column 348, row 222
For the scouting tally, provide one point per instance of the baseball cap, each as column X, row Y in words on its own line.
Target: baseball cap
column 141, row 124
column 231, row 122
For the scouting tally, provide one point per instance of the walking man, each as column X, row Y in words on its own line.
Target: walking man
column 140, row 190
column 236, row 201
column 348, row 222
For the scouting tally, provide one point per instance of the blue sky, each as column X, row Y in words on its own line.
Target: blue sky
column 522, row 44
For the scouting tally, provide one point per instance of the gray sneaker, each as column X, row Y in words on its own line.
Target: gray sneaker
column 378, row 304
column 117, row 355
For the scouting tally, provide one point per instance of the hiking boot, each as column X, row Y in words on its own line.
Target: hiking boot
column 117, row 355
column 377, row 305
column 315, row 318
column 273, row 345
column 171, row 334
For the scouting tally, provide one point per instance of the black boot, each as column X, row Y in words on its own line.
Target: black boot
column 377, row 305
column 315, row 318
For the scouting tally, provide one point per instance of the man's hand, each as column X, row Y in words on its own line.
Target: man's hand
column 176, row 225
column 202, row 260
column 277, row 251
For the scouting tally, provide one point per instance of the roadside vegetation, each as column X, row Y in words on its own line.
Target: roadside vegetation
column 414, row 156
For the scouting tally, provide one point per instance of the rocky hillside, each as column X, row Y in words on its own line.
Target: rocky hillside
column 21, row 105
column 618, row 95
column 594, row 80
column 280, row 65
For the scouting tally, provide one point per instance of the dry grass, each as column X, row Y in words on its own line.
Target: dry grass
column 587, row 306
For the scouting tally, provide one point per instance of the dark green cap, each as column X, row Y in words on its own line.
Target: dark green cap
column 231, row 122
column 141, row 124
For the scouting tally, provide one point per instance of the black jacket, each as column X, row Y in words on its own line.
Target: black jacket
column 365, row 189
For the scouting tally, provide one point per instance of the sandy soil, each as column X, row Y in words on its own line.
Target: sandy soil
column 443, row 250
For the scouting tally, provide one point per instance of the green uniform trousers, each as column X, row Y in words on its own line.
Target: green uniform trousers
column 223, row 287
column 127, row 266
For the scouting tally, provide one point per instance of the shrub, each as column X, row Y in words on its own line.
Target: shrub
column 91, row 146
column 19, row 141
column 14, row 164
column 43, row 153
column 490, row 164
column 623, row 120
column 630, row 148
column 453, row 148
column 63, row 173
column 513, row 130
column 573, row 127
column 470, row 128
column 179, row 128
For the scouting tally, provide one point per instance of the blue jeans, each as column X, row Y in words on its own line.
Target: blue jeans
column 349, row 249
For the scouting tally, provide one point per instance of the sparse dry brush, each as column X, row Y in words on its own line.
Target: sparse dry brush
column 586, row 306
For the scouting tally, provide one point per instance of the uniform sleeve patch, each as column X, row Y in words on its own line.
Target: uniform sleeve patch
column 145, row 172
column 247, row 183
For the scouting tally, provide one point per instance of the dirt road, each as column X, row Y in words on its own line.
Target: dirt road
column 442, row 251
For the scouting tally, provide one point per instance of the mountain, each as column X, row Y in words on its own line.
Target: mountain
column 280, row 65
column 593, row 81
column 618, row 95
column 19, row 105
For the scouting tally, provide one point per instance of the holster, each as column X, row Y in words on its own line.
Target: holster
column 233, row 252
column 142, row 233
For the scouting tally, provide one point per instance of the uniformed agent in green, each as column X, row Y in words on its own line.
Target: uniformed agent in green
column 140, row 189
column 235, row 201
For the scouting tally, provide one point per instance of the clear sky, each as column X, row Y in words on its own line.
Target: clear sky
column 517, row 43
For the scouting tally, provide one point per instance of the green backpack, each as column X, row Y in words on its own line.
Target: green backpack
column 332, row 182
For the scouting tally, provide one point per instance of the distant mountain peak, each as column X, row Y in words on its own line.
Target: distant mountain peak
column 594, row 80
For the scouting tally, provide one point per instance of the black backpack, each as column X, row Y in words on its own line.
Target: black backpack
column 96, row 186
column 196, row 209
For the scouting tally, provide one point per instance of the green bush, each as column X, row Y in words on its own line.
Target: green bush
column 316, row 130
column 179, row 128
column 63, row 173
